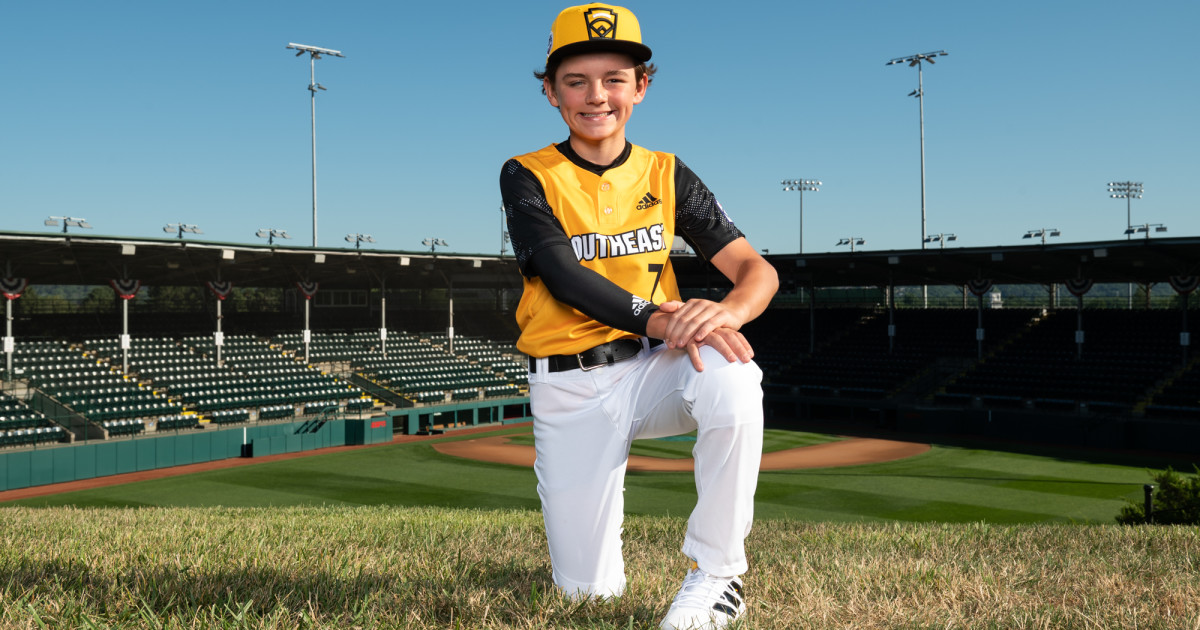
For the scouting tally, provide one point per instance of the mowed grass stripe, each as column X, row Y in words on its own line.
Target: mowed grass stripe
column 951, row 484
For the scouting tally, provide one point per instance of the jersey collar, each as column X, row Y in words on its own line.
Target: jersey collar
column 564, row 148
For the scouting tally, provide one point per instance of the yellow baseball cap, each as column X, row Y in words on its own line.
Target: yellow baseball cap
column 596, row 28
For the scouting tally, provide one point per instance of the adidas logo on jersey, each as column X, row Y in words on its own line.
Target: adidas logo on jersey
column 649, row 201
column 639, row 305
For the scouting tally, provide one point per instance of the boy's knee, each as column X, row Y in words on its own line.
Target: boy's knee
column 727, row 388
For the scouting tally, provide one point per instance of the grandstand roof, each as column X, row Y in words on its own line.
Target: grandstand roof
column 74, row 259
column 1139, row 260
column 93, row 260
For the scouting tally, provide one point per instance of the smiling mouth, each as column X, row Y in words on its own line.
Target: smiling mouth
column 597, row 116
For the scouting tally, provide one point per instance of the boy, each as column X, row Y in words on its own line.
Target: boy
column 614, row 354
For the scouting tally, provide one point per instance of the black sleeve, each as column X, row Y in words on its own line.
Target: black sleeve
column 543, row 249
column 589, row 292
column 699, row 218
column 531, row 221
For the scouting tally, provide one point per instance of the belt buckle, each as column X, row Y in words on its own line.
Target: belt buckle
column 585, row 368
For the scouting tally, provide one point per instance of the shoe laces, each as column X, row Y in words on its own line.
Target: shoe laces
column 704, row 591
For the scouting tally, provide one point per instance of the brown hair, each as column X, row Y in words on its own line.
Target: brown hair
column 640, row 70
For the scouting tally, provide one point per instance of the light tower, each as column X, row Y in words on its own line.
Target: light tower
column 314, row 53
column 801, row 185
column 918, row 60
column 1127, row 191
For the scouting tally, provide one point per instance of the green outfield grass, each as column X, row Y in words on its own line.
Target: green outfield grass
column 946, row 484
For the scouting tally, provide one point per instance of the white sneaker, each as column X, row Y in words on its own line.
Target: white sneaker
column 705, row 602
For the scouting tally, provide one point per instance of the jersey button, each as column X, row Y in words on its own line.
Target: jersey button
column 608, row 210
column 605, row 186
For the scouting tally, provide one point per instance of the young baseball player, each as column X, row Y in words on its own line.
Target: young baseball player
column 615, row 355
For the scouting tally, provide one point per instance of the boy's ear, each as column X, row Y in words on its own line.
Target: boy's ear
column 548, row 88
column 640, row 94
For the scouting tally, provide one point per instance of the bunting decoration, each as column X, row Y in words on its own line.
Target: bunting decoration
column 307, row 289
column 1185, row 284
column 126, row 289
column 220, row 288
column 979, row 286
column 13, row 287
column 1079, row 286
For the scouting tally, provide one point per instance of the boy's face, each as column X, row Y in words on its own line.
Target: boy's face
column 595, row 94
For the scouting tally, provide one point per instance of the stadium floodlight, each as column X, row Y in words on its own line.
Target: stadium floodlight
column 434, row 243
column 1145, row 227
column 917, row 60
column 941, row 238
column 314, row 53
column 358, row 239
column 181, row 228
column 271, row 234
column 801, row 185
column 68, row 222
column 851, row 241
column 1127, row 191
column 1042, row 233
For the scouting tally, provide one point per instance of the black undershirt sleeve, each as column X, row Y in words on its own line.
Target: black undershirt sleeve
column 543, row 250
column 589, row 292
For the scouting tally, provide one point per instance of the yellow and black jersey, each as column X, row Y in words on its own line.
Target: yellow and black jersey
column 593, row 242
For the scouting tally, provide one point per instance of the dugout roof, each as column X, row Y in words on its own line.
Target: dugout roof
column 74, row 259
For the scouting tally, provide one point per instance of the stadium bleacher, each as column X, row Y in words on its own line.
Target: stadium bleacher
column 177, row 384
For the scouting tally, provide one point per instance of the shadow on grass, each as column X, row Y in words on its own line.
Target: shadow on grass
column 473, row 594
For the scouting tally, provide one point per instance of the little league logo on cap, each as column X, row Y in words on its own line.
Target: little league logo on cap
column 596, row 28
column 601, row 23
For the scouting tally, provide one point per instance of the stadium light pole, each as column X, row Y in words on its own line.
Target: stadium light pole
column 851, row 241
column 1145, row 227
column 68, row 222
column 918, row 60
column 434, row 243
column 1127, row 191
column 181, row 228
column 314, row 53
column 801, row 185
column 1042, row 233
column 358, row 239
column 941, row 238
column 270, row 234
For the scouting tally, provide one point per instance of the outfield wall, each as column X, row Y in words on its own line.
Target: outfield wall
column 102, row 458
column 58, row 464
column 417, row 420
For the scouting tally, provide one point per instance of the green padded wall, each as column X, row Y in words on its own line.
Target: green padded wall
column 106, row 459
column 41, row 468
column 63, row 464
column 85, row 461
column 18, row 470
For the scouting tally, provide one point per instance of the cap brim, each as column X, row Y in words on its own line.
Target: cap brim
column 640, row 52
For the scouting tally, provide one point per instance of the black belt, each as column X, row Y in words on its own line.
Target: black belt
column 592, row 358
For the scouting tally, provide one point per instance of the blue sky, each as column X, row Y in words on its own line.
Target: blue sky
column 138, row 114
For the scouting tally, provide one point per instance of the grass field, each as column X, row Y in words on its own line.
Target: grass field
column 946, row 484
column 410, row 567
column 400, row 536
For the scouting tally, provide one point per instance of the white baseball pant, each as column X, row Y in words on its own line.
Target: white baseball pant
column 584, row 424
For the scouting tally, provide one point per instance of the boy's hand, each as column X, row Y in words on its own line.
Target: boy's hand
column 683, row 320
column 730, row 343
column 696, row 319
